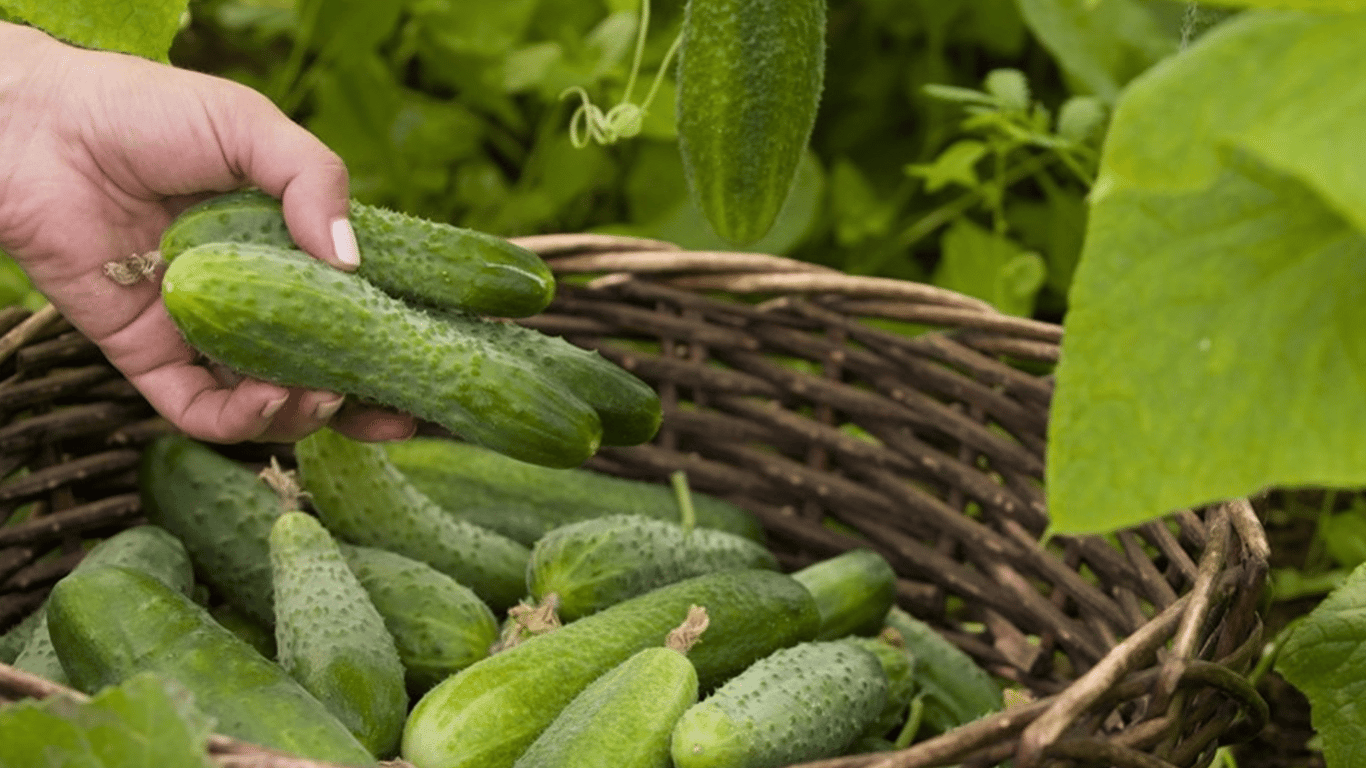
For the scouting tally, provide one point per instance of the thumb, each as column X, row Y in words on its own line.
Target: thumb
column 311, row 181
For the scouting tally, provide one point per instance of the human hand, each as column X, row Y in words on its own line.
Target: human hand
column 98, row 154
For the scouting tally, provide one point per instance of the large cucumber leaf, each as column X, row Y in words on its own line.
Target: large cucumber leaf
column 140, row 27
column 1216, row 343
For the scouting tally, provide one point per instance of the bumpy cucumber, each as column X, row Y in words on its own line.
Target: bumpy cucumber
column 363, row 499
column 624, row 718
column 595, row 563
column 749, row 83
column 330, row 637
column 109, row 624
column 291, row 319
column 854, row 590
column 954, row 689
column 439, row 625
column 802, row 703
column 525, row 501
column 411, row 258
column 146, row 548
column 221, row 511
column 488, row 714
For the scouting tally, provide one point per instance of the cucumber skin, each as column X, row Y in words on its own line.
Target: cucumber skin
column 146, row 548
column 112, row 623
column 363, row 499
column 525, row 501
column 221, row 511
column 488, row 714
column 750, row 74
column 596, row 563
column 955, row 689
column 330, row 636
column 439, row 625
column 803, row 703
column 410, row 258
column 291, row 319
column 623, row 719
column 854, row 590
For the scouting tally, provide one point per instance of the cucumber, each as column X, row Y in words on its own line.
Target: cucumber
column 330, row 637
column 109, row 624
column 284, row 317
column 803, row 703
column 749, row 83
column 953, row 688
column 595, row 563
column 525, row 501
column 624, row 718
column 146, row 548
column 221, row 511
column 854, row 590
column 256, row 635
column 898, row 666
column 488, row 714
column 414, row 259
column 363, row 499
column 439, row 625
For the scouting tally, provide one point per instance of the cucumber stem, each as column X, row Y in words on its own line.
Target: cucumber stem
column 688, row 516
column 912, row 726
column 683, row 637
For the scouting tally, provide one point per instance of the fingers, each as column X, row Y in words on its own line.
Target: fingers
column 285, row 160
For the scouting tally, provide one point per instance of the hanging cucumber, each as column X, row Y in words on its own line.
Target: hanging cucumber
column 363, row 499
column 109, row 624
column 330, row 637
column 284, row 317
column 414, row 259
column 439, row 625
column 592, row 564
column 488, row 714
column 806, row 702
column 524, row 501
column 750, row 74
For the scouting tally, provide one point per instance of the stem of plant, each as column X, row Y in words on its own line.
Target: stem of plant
column 687, row 515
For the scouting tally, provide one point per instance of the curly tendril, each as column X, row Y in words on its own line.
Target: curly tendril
column 623, row 121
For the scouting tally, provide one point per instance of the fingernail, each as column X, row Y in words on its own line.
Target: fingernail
column 273, row 407
column 328, row 408
column 344, row 243
column 394, row 435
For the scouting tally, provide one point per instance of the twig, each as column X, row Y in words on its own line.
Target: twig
column 26, row 331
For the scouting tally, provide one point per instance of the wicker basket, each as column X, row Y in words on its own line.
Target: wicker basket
column 843, row 411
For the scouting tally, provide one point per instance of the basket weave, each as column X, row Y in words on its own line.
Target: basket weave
column 798, row 393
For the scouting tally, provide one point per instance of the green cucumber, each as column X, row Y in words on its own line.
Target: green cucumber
column 287, row 318
column 439, row 625
column 898, row 666
column 330, row 637
column 749, row 82
column 953, row 688
column 624, row 718
column 595, row 563
column 803, row 703
column 525, row 501
column 488, row 714
column 256, row 635
column 222, row 512
column 363, row 499
column 414, row 259
column 854, row 590
column 109, row 624
column 146, row 548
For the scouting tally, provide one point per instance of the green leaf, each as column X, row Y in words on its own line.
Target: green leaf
column 989, row 266
column 1325, row 657
column 1101, row 44
column 1215, row 344
column 480, row 29
column 957, row 164
column 1312, row 6
column 146, row 720
column 860, row 213
column 347, row 28
column 140, row 27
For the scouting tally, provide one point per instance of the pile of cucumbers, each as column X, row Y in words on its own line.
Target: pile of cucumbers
column 339, row 613
column 420, row 326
